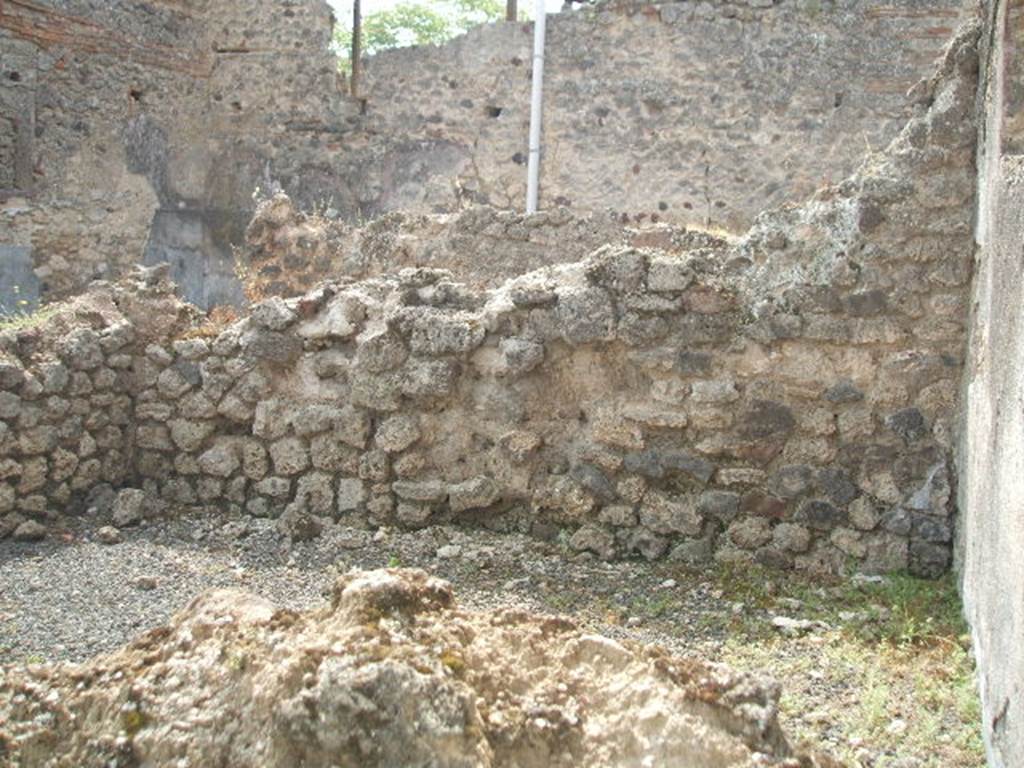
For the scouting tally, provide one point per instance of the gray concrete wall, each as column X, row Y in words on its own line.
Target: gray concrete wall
column 991, row 539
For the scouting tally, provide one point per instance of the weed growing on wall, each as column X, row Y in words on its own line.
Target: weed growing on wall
column 22, row 314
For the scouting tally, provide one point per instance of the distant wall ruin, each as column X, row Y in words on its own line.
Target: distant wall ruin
column 138, row 131
column 121, row 116
column 696, row 113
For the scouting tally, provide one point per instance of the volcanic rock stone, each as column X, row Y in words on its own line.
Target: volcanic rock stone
column 30, row 530
column 290, row 456
column 594, row 539
column 220, row 461
column 390, row 673
column 129, row 507
column 108, row 534
column 298, row 524
column 664, row 514
column 475, row 493
column 397, row 433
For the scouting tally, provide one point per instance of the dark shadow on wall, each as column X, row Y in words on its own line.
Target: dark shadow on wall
column 197, row 245
column 19, row 286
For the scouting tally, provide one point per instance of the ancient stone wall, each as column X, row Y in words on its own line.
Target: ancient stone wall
column 75, row 207
column 68, row 401
column 288, row 251
column 139, row 130
column 991, row 456
column 691, row 112
column 787, row 396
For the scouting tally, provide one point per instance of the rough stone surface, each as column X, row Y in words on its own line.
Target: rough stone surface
column 662, row 387
column 627, row 137
column 108, row 161
column 108, row 534
column 129, row 507
column 475, row 493
column 391, row 673
column 397, row 433
column 298, row 524
column 29, row 530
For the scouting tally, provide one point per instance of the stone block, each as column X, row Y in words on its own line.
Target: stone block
column 665, row 514
column 476, row 493
column 594, row 539
column 422, row 491
column 222, row 460
column 791, row 537
column 129, row 507
column 396, row 433
column 289, row 455
column 351, row 494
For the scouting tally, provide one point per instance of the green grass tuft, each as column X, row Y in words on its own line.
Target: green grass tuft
column 19, row 320
column 901, row 609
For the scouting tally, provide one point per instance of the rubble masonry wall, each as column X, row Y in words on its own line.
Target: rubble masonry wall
column 786, row 397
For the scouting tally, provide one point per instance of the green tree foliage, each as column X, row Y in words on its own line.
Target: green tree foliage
column 415, row 22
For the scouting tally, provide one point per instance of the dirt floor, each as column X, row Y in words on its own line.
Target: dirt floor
column 876, row 671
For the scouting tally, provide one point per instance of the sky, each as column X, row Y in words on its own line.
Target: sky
column 343, row 8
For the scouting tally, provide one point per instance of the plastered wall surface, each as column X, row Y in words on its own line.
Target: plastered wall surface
column 991, row 531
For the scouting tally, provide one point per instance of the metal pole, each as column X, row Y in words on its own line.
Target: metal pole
column 511, row 10
column 357, row 46
column 536, row 100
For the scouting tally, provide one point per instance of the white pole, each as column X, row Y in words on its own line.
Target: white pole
column 536, row 99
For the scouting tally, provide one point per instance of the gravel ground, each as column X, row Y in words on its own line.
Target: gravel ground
column 72, row 597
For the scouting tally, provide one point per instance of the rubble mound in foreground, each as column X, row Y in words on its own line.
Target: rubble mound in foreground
column 390, row 674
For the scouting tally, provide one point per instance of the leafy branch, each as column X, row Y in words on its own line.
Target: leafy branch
column 415, row 22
